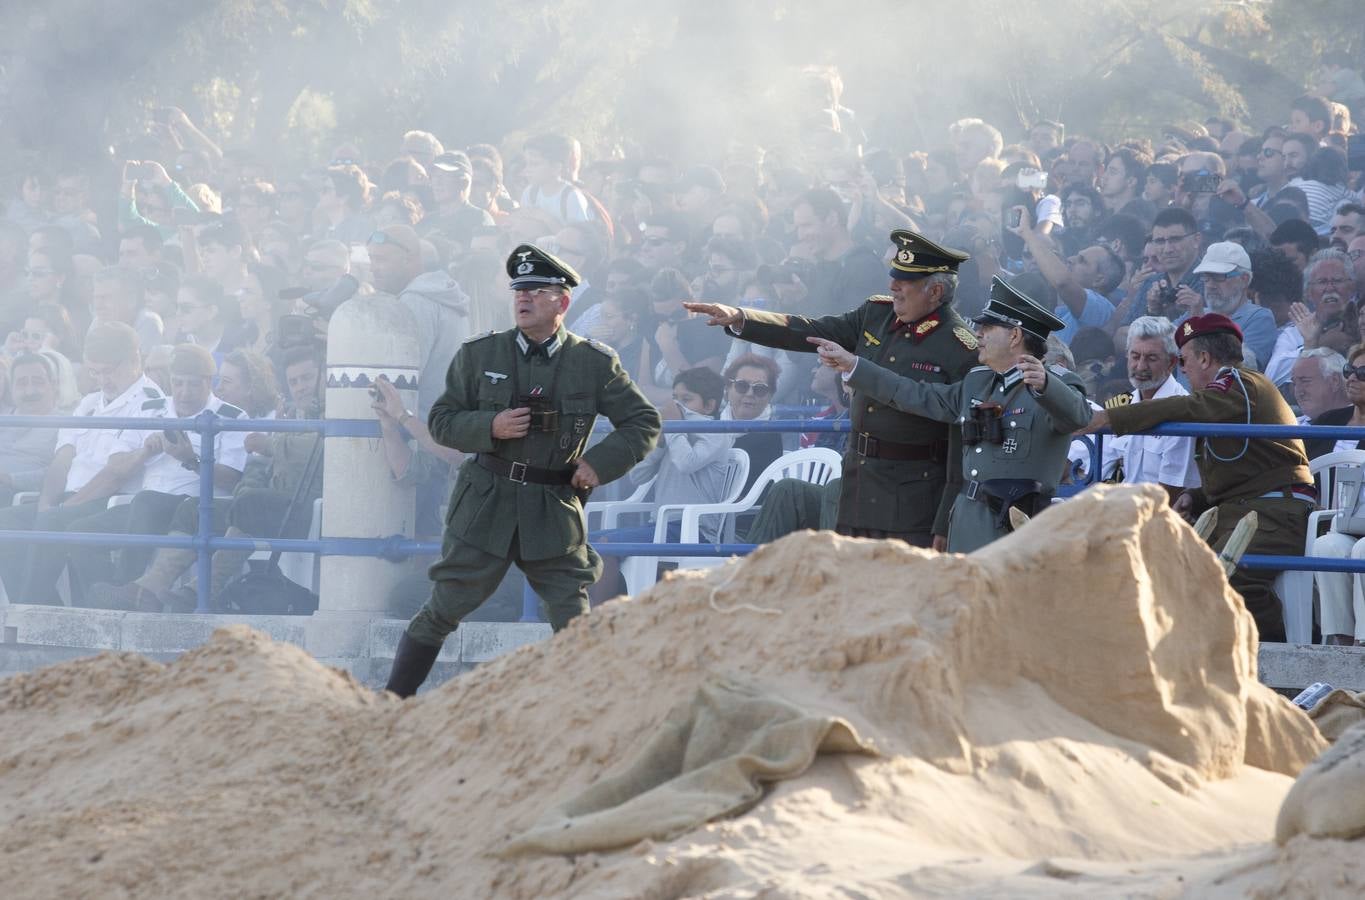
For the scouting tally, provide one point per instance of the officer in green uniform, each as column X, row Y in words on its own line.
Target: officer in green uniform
column 1016, row 415
column 898, row 463
column 524, row 401
column 1267, row 475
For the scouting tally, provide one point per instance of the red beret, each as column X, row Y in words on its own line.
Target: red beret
column 1198, row 326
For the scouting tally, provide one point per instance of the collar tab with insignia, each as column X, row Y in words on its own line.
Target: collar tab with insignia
column 924, row 327
column 871, row 341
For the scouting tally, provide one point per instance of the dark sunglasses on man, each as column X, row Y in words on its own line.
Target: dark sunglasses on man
column 761, row 389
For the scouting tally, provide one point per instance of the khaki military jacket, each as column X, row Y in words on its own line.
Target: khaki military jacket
column 1248, row 468
column 577, row 378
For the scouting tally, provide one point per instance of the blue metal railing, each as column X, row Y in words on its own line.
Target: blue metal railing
column 398, row 547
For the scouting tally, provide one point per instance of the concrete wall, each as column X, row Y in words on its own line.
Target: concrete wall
column 35, row 636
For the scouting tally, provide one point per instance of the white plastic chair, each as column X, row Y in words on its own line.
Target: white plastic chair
column 1295, row 589
column 817, row 465
column 611, row 511
column 302, row 568
column 642, row 571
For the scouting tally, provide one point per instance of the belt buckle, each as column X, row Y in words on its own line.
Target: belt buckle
column 517, row 473
column 973, row 488
column 863, row 443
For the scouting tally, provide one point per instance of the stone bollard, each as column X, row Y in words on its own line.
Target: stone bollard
column 367, row 337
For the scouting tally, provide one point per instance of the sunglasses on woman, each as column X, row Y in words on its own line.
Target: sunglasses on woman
column 761, row 389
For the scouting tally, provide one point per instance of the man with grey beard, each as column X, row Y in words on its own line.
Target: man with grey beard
column 1158, row 459
column 1226, row 270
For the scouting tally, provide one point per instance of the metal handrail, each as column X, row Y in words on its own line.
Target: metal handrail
column 398, row 547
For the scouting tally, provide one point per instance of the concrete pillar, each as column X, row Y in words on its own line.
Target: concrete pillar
column 367, row 337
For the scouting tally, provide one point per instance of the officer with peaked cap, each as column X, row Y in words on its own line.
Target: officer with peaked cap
column 523, row 403
column 1267, row 475
column 1016, row 415
column 900, row 470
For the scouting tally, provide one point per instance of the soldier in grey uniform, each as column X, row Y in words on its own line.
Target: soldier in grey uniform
column 1015, row 414
column 524, row 401
column 901, row 468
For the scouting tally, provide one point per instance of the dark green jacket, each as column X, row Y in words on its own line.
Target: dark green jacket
column 581, row 380
column 883, row 494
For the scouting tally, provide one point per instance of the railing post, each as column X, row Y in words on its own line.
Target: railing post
column 205, row 423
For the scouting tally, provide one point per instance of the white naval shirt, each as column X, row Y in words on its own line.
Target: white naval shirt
column 166, row 474
column 1151, row 458
column 94, row 446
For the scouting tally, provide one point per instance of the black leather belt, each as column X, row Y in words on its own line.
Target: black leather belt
column 521, row 473
column 865, row 444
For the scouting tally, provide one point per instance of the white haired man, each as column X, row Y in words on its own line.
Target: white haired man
column 1157, row 459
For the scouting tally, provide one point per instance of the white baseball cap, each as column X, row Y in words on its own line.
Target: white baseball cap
column 1222, row 258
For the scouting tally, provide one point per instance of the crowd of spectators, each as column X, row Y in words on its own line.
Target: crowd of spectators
column 194, row 276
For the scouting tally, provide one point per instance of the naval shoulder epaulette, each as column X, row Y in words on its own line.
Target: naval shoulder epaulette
column 879, row 298
column 478, row 337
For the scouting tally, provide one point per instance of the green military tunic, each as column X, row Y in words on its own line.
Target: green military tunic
column 1036, row 430
column 1239, row 476
column 910, row 498
column 495, row 519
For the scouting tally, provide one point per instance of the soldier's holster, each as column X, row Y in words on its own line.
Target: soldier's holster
column 1002, row 494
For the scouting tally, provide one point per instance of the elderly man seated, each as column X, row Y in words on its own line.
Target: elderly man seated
column 171, row 473
column 1161, row 459
column 91, row 464
column 1319, row 389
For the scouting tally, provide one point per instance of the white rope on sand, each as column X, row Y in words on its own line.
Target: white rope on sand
column 738, row 607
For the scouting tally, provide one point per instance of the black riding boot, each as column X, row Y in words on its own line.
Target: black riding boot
column 411, row 665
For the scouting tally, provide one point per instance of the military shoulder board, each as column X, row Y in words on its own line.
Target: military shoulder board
column 1222, row 383
column 599, row 346
column 152, row 392
column 879, row 298
column 157, row 403
column 228, row 411
column 1059, row 371
column 965, row 337
column 478, row 337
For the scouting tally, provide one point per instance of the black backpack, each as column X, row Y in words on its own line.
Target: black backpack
column 263, row 590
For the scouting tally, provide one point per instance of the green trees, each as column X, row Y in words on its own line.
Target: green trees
column 295, row 77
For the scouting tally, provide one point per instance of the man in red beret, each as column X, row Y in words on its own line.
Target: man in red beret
column 1267, row 475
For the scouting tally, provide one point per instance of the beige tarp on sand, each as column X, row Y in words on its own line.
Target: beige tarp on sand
column 709, row 758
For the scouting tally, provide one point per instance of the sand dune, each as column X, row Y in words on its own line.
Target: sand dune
column 1073, row 711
